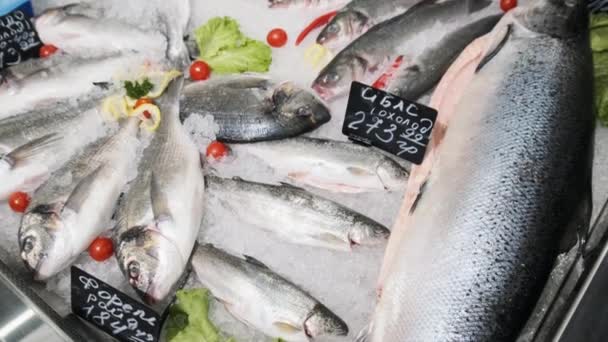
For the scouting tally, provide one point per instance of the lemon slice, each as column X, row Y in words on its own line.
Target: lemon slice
column 115, row 106
column 149, row 115
column 161, row 81
column 317, row 55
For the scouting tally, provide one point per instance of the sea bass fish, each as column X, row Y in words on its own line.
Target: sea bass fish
column 416, row 34
column 160, row 217
column 72, row 78
column 34, row 144
column 76, row 204
column 76, row 32
column 252, row 108
column 482, row 235
column 330, row 165
column 257, row 296
column 304, row 3
column 296, row 215
column 357, row 17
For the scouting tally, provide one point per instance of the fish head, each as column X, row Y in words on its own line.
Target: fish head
column 294, row 102
column 556, row 18
column 391, row 174
column 40, row 243
column 335, row 79
column 150, row 261
column 321, row 321
column 367, row 232
column 343, row 28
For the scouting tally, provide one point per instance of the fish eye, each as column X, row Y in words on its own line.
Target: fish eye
column 332, row 77
column 133, row 269
column 304, row 111
column 333, row 28
column 28, row 244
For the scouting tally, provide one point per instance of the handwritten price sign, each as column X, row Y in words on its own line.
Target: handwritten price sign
column 398, row 126
column 111, row 310
column 18, row 39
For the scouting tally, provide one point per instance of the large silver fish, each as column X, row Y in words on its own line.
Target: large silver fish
column 263, row 299
column 419, row 32
column 253, row 108
column 70, row 78
column 297, row 216
column 161, row 214
column 75, row 31
column 330, row 165
column 505, row 193
column 357, row 17
column 304, row 3
column 34, row 144
column 76, row 204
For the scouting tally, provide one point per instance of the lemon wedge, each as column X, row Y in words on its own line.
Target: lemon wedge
column 317, row 56
column 149, row 115
column 115, row 107
column 161, row 82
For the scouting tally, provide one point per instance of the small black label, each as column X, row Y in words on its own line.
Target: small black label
column 398, row 126
column 111, row 310
column 18, row 39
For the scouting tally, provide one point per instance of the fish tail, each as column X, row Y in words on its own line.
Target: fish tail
column 363, row 335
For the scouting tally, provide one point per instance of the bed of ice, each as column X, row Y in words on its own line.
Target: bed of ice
column 343, row 281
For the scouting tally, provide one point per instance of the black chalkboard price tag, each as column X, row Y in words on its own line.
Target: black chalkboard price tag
column 18, row 38
column 390, row 123
column 111, row 310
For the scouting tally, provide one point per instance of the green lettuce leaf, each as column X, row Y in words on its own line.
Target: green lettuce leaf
column 251, row 56
column 227, row 50
column 188, row 319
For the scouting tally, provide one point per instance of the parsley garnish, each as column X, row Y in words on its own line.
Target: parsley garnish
column 136, row 90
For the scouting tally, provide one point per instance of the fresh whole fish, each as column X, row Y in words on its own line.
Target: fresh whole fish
column 304, row 3
column 506, row 191
column 418, row 33
column 74, row 31
column 263, row 299
column 330, row 165
column 72, row 78
column 34, row 144
column 357, row 17
column 295, row 215
column 159, row 219
column 253, row 108
column 76, row 204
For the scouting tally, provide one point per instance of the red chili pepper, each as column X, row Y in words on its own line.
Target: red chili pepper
column 386, row 77
column 320, row 21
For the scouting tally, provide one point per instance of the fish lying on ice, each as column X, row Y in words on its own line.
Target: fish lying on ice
column 304, row 3
column 76, row 32
column 357, row 17
column 330, row 165
column 254, row 294
column 160, row 217
column 296, row 215
column 76, row 204
column 480, row 239
column 72, row 78
column 34, row 144
column 417, row 34
column 253, row 108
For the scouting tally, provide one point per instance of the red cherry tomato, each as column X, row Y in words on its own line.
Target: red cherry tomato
column 199, row 71
column 18, row 201
column 101, row 249
column 217, row 150
column 47, row 50
column 507, row 5
column 277, row 38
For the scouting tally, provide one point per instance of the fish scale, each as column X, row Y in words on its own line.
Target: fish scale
column 511, row 173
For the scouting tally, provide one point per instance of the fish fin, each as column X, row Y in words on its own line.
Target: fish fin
column 81, row 191
column 255, row 262
column 160, row 206
column 357, row 171
column 331, row 238
column 31, row 148
column 495, row 48
column 103, row 85
column 363, row 335
column 418, row 197
column 238, row 179
column 286, row 327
